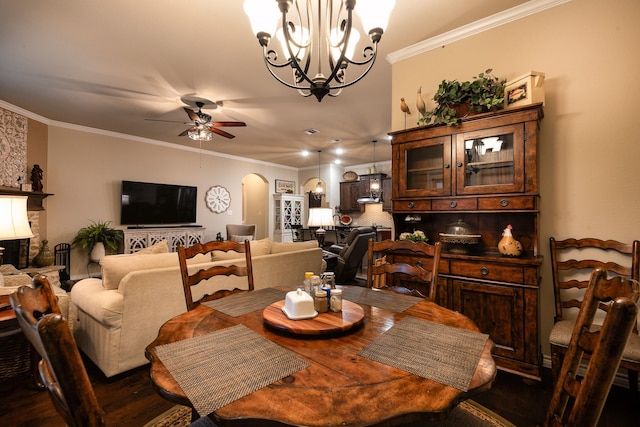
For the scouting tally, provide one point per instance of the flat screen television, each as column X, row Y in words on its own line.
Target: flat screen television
column 145, row 203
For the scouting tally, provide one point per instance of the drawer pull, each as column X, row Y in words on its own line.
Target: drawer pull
column 411, row 205
column 453, row 204
column 459, row 164
column 447, row 165
column 504, row 203
column 419, row 264
column 484, row 271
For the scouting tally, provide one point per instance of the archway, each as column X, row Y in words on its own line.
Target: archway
column 255, row 203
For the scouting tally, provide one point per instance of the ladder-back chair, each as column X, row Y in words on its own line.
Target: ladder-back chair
column 572, row 261
column 192, row 278
column 578, row 400
column 61, row 369
column 416, row 272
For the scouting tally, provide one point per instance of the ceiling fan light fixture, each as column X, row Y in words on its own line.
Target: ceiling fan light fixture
column 200, row 133
column 318, row 36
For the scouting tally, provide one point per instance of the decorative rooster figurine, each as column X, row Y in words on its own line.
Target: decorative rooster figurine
column 508, row 246
column 420, row 104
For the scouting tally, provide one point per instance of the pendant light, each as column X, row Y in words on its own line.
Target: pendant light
column 319, row 191
column 374, row 183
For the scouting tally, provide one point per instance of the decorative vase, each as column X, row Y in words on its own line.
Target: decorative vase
column 508, row 246
column 98, row 252
column 44, row 257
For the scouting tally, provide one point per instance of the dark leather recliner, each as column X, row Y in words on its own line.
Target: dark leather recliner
column 351, row 254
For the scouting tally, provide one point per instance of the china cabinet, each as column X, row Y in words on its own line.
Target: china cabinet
column 482, row 172
column 288, row 212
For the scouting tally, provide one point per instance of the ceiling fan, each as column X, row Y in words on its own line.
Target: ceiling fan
column 201, row 119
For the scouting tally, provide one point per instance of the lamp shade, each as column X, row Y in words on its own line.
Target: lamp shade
column 14, row 223
column 320, row 217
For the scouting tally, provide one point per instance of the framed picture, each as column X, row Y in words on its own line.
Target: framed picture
column 283, row 186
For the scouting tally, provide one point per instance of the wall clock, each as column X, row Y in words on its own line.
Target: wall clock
column 218, row 199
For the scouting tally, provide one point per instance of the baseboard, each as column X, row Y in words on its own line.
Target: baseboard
column 621, row 379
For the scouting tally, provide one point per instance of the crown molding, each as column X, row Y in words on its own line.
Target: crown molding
column 518, row 12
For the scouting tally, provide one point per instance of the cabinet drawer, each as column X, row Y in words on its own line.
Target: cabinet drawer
column 510, row 203
column 488, row 271
column 455, row 204
column 411, row 205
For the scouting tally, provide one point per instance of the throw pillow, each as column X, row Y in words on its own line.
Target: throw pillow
column 279, row 247
column 161, row 247
column 237, row 238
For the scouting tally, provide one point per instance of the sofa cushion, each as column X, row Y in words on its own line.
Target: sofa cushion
column 258, row 247
column 161, row 247
column 280, row 247
column 115, row 267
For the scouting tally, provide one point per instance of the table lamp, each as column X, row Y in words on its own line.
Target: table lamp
column 320, row 217
column 14, row 223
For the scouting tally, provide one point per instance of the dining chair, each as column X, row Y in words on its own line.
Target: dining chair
column 401, row 271
column 192, row 278
column 61, row 369
column 577, row 399
column 571, row 263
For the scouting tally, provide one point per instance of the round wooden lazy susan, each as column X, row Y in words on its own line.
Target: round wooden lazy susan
column 351, row 316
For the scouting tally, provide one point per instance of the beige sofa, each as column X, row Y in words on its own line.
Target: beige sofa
column 120, row 314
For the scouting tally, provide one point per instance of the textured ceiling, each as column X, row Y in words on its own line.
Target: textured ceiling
column 121, row 66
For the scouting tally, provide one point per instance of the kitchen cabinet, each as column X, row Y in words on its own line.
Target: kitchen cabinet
column 351, row 191
column 483, row 172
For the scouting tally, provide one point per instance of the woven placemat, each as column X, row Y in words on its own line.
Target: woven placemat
column 245, row 302
column 437, row 352
column 381, row 299
column 221, row 367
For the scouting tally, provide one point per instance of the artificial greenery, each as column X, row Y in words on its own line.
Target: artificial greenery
column 484, row 93
column 96, row 232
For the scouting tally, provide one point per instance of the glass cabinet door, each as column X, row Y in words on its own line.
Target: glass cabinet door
column 490, row 161
column 427, row 168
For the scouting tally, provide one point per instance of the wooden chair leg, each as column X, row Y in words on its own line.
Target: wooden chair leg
column 557, row 356
column 633, row 381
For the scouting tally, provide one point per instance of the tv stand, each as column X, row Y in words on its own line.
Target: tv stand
column 140, row 237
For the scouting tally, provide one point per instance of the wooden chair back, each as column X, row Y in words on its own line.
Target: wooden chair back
column 190, row 280
column 572, row 260
column 240, row 232
column 61, row 369
column 579, row 402
column 377, row 265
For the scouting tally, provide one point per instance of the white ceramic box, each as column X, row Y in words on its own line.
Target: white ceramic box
column 525, row 90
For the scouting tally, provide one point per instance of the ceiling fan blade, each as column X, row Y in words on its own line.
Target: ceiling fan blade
column 186, row 132
column 169, row 121
column 221, row 132
column 228, row 124
column 192, row 114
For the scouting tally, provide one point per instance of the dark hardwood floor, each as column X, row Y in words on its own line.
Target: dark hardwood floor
column 130, row 400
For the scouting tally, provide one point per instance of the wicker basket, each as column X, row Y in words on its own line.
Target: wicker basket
column 14, row 356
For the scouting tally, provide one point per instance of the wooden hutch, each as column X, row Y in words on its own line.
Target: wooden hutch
column 483, row 172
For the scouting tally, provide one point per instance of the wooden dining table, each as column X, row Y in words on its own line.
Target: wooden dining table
column 339, row 388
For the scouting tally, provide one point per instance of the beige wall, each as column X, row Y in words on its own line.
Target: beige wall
column 85, row 171
column 589, row 149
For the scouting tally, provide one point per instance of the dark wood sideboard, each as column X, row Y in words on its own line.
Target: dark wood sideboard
column 483, row 172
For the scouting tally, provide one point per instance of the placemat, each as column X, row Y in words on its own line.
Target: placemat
column 437, row 352
column 388, row 300
column 245, row 302
column 218, row 368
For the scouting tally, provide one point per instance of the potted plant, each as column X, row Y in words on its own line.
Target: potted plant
column 97, row 236
column 455, row 99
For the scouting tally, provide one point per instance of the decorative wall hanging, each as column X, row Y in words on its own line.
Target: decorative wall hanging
column 13, row 148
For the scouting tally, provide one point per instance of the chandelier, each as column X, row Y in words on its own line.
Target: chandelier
column 318, row 192
column 200, row 133
column 311, row 37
